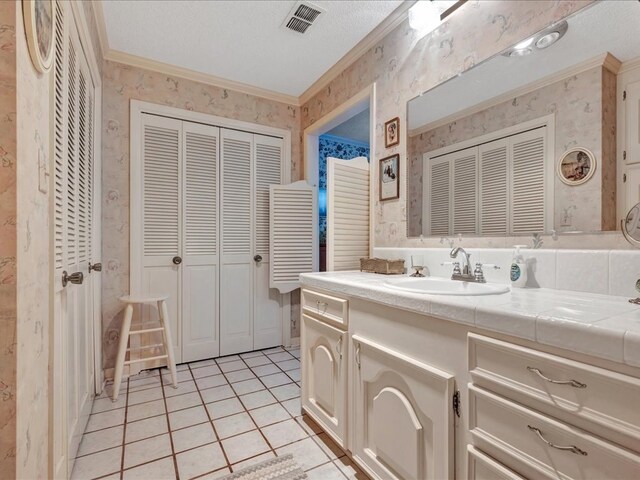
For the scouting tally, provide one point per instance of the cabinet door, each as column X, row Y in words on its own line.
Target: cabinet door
column 401, row 414
column 324, row 376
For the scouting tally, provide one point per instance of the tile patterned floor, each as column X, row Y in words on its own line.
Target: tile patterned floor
column 225, row 414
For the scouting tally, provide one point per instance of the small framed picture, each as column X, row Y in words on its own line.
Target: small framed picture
column 389, row 176
column 39, row 29
column 392, row 132
column 576, row 166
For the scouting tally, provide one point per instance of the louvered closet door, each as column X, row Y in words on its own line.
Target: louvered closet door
column 73, row 183
column 200, row 267
column 528, row 181
column 236, row 271
column 439, row 176
column 465, row 191
column 267, row 318
column 161, row 193
column 347, row 213
column 494, row 188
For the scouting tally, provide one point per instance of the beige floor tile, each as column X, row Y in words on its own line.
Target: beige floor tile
column 253, row 460
column 206, row 371
column 215, row 475
column 244, row 446
column 187, row 417
column 308, row 425
column 269, row 414
column 209, row 382
column 146, row 450
column 106, row 404
column 217, row 393
column 232, row 366
column 224, row 408
column 202, row 363
column 184, row 387
column 257, row 399
column 284, row 433
column 287, row 365
column 148, row 427
column 147, row 395
column 98, row 421
column 294, row 375
column 227, row 359
column 247, row 386
column 233, row 425
column 275, row 380
column 280, row 356
column 163, row 469
column 191, row 437
column 285, row 392
column 180, row 402
column 145, row 410
column 200, row 460
column 293, row 406
column 264, row 370
column 250, row 355
column 255, row 361
column 100, row 440
column 239, row 375
column 306, row 453
column 327, row 471
column 97, row 464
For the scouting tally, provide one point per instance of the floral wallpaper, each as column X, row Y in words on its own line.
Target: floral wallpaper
column 122, row 83
column 577, row 103
column 403, row 65
column 336, row 148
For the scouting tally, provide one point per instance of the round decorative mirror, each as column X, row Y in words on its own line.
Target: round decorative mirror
column 631, row 226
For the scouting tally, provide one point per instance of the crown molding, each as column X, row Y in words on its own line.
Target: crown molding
column 399, row 15
column 98, row 16
column 629, row 65
column 173, row 70
column 605, row 60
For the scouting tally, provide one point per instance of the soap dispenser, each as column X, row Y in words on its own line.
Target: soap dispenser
column 518, row 272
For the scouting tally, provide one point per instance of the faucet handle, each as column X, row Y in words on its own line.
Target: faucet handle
column 479, row 274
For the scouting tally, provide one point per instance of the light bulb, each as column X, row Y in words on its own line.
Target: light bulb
column 424, row 16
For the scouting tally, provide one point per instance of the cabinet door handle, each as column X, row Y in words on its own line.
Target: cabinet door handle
column 339, row 348
column 573, row 383
column 569, row 448
column 321, row 304
column 358, row 355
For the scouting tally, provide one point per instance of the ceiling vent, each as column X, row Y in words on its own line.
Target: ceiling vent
column 302, row 16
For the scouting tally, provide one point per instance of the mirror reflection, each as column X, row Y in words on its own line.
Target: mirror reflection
column 526, row 141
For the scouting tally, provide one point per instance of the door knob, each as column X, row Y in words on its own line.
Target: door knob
column 258, row 258
column 96, row 267
column 177, row 260
column 76, row 278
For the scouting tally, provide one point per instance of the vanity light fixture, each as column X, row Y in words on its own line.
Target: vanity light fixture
column 426, row 15
column 540, row 41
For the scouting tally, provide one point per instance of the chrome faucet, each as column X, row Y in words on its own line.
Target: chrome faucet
column 466, row 275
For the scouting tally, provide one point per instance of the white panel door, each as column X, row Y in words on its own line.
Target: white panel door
column 347, row 213
column 161, row 194
column 632, row 123
column 402, row 415
column 73, row 369
column 267, row 317
column 237, row 233
column 200, row 267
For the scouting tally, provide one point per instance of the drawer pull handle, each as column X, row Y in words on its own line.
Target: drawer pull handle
column 358, row 356
column 570, row 448
column 339, row 348
column 573, row 383
column 321, row 304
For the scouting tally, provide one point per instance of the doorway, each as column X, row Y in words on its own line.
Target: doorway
column 346, row 133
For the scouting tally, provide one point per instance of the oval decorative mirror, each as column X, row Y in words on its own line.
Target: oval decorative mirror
column 631, row 226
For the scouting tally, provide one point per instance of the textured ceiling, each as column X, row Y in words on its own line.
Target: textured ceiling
column 356, row 128
column 604, row 27
column 242, row 40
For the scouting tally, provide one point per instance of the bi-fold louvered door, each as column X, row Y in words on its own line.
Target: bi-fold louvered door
column 205, row 237
column 74, row 243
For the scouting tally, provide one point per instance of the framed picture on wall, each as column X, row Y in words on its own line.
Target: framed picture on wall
column 576, row 166
column 392, row 132
column 389, row 176
column 39, row 29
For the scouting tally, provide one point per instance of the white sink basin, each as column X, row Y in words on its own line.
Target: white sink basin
column 443, row 286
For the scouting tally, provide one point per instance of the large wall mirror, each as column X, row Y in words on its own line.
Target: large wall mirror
column 526, row 142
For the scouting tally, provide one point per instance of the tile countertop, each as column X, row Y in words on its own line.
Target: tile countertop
column 604, row 326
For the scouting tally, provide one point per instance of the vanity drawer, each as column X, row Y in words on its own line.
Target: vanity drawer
column 517, row 437
column 483, row 467
column 586, row 394
column 327, row 307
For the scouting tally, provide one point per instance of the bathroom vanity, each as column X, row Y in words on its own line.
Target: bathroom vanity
column 420, row 386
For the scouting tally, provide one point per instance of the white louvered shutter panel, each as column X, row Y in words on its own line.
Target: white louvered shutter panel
column 293, row 234
column 494, row 188
column 465, row 191
column 59, row 141
column 347, row 213
column 268, row 172
column 161, row 189
column 83, row 167
column 201, row 190
column 439, row 196
column 72, row 158
column 528, row 181
column 236, row 193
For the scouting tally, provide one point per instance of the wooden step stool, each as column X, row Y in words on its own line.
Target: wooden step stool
column 126, row 332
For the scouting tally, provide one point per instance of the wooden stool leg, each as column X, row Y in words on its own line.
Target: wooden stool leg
column 122, row 350
column 168, row 343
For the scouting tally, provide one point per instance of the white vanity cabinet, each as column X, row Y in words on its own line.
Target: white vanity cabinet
column 401, row 417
